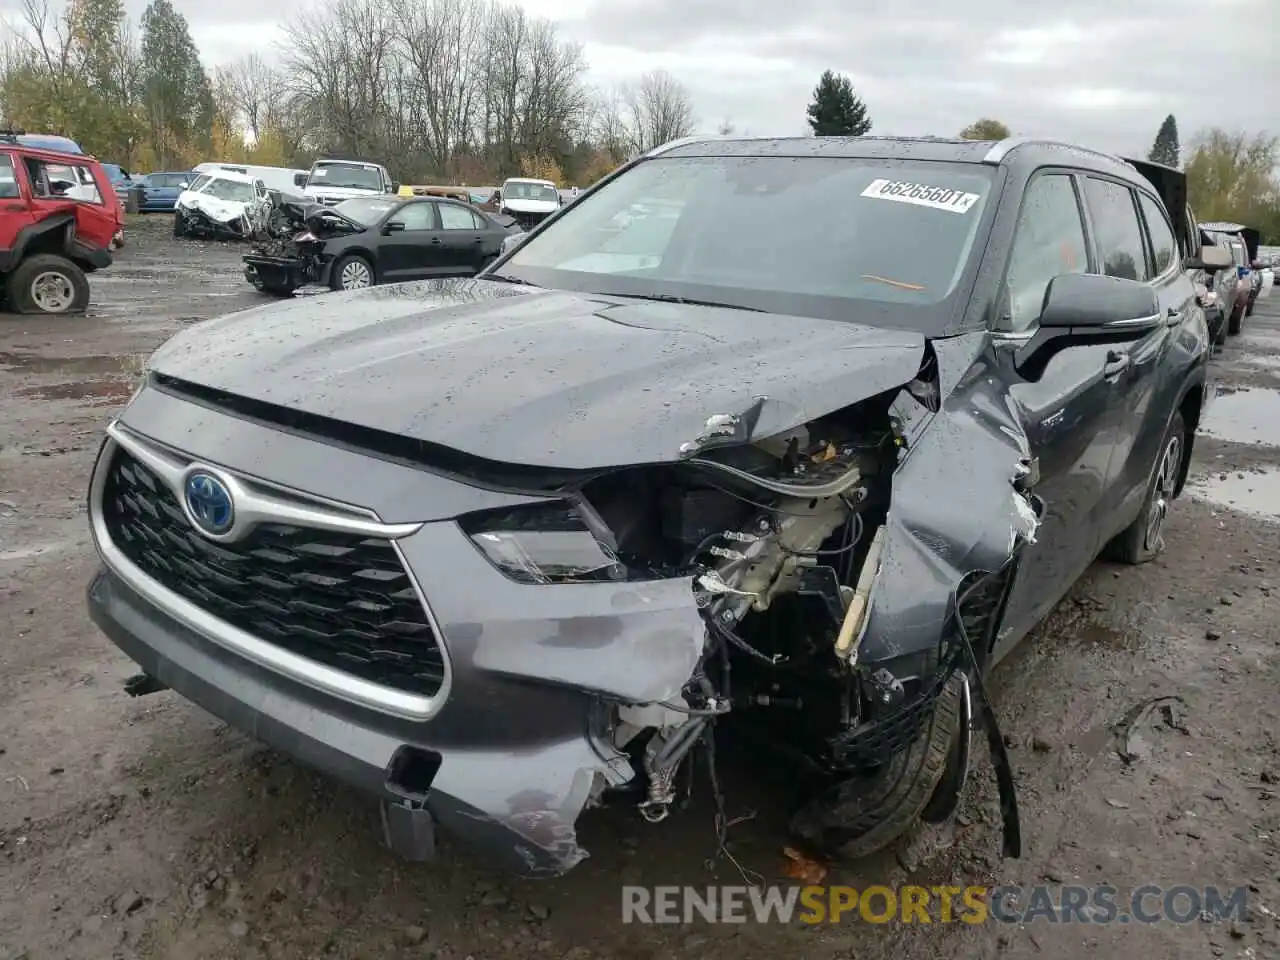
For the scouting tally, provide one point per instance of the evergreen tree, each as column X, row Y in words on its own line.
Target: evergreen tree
column 175, row 89
column 836, row 111
column 1165, row 149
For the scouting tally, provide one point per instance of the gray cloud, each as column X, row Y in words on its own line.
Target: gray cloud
column 1104, row 73
column 1100, row 72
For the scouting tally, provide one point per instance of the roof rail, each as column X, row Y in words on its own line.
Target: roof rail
column 11, row 135
column 1006, row 146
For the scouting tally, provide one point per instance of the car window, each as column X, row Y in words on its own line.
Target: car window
column 1163, row 245
column 818, row 236
column 1049, row 242
column 1119, row 234
column 8, row 178
column 63, row 181
column 416, row 216
column 453, row 217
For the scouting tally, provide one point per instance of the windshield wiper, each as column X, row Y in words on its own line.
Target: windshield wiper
column 691, row 301
column 506, row 279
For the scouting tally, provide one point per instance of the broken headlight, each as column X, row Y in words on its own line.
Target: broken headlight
column 551, row 543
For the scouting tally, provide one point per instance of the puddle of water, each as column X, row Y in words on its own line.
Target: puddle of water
column 69, row 366
column 1255, row 493
column 96, row 392
column 1247, row 415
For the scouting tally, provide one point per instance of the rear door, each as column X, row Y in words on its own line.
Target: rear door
column 1127, row 223
column 463, row 236
column 1068, row 412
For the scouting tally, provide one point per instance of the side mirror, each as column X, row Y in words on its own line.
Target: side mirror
column 1088, row 308
column 299, row 179
column 183, row 185
column 395, row 226
column 393, row 187
column 1211, row 258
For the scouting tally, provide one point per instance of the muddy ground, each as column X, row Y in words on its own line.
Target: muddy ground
column 146, row 828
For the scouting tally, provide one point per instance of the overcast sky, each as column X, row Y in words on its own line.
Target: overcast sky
column 1100, row 72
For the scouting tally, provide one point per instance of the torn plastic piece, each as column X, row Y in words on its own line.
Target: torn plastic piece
column 1133, row 747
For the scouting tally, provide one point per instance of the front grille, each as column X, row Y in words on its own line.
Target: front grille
column 343, row 600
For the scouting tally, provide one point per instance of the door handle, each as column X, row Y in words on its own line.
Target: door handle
column 478, row 240
column 1173, row 316
column 12, row 207
column 435, row 240
column 1117, row 363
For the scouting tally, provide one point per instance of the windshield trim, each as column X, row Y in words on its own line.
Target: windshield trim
column 941, row 318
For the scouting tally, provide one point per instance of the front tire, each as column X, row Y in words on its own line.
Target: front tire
column 47, row 284
column 179, row 229
column 352, row 272
column 1143, row 540
column 860, row 816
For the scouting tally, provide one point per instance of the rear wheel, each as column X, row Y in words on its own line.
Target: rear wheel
column 1143, row 539
column 49, row 284
column 857, row 817
column 352, row 272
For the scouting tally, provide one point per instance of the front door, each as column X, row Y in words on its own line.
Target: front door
column 416, row 250
column 15, row 207
column 1068, row 412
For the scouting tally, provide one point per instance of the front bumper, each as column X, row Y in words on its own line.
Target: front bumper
column 516, row 733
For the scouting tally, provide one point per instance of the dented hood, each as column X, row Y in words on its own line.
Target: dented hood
column 223, row 211
column 534, row 377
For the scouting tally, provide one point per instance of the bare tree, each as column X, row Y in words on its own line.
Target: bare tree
column 339, row 59
column 660, row 110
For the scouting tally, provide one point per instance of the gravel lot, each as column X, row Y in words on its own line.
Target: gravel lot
column 145, row 828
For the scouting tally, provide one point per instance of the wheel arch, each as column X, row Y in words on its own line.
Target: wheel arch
column 1191, row 406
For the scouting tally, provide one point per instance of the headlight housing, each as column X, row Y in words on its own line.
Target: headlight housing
column 557, row 542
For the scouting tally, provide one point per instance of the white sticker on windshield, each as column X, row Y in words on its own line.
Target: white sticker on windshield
column 939, row 198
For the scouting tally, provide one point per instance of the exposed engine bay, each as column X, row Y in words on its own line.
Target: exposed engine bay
column 290, row 252
column 783, row 538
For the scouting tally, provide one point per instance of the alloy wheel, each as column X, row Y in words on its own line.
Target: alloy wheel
column 1166, row 483
column 355, row 275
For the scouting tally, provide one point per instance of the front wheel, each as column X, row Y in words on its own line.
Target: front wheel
column 1143, row 540
column 352, row 272
column 862, row 815
column 48, row 284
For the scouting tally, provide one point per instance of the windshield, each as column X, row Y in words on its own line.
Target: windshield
column 514, row 190
column 364, row 211
column 232, row 190
column 808, row 236
column 345, row 176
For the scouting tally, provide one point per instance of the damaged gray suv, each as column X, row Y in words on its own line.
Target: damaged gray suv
column 785, row 441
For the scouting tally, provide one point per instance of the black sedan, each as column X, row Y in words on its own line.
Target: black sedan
column 367, row 241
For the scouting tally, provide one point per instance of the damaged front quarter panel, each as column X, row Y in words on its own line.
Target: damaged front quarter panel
column 960, row 505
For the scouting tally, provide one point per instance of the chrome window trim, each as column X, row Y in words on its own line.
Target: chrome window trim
column 320, row 514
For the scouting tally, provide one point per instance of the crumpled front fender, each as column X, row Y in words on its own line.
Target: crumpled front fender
column 955, row 508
